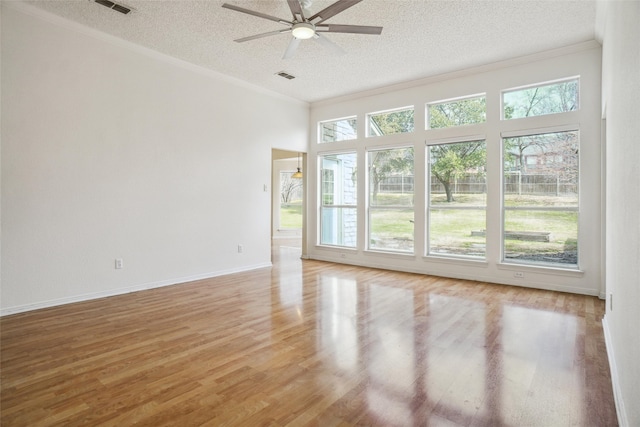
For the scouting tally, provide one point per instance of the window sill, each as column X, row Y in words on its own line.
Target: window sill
column 399, row 255
column 346, row 249
column 455, row 260
column 554, row 271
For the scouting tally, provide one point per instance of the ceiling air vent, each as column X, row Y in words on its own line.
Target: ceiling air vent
column 285, row 75
column 115, row 6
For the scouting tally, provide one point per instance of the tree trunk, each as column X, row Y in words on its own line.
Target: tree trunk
column 447, row 189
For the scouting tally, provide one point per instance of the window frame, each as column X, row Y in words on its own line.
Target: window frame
column 321, row 205
column 428, row 204
column 538, row 85
column 503, row 208
column 368, row 121
column 319, row 129
column 369, row 206
column 427, row 114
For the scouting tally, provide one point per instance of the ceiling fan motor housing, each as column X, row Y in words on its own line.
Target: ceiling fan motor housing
column 303, row 30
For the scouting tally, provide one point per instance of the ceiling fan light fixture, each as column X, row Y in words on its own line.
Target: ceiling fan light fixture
column 303, row 30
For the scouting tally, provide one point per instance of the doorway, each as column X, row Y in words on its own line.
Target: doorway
column 288, row 202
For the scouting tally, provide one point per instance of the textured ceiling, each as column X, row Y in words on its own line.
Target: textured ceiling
column 421, row 38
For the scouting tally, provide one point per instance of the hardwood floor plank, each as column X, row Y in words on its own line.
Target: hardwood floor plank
column 309, row 343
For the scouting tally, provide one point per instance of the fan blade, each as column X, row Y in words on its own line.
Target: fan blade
column 333, row 10
column 329, row 44
column 291, row 49
column 259, row 36
column 296, row 10
column 254, row 13
column 353, row 29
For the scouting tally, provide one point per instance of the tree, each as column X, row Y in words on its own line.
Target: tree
column 457, row 113
column 393, row 122
column 289, row 187
column 515, row 149
column 449, row 161
column 553, row 98
column 555, row 153
column 385, row 163
column 540, row 100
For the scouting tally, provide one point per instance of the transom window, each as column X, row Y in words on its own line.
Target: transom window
column 338, row 130
column 390, row 122
column 458, row 112
column 542, row 99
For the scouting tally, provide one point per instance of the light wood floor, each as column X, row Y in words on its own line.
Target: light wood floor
column 311, row 343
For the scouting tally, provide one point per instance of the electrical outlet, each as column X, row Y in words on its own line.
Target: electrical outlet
column 518, row 275
column 119, row 264
column 343, row 255
column 240, row 249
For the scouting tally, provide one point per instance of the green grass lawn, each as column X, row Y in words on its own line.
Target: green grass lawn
column 291, row 216
column 450, row 229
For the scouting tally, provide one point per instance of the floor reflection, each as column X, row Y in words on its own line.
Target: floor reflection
column 311, row 343
column 403, row 352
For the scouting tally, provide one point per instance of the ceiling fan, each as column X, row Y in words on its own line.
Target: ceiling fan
column 303, row 28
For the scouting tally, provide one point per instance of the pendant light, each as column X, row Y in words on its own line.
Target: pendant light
column 298, row 173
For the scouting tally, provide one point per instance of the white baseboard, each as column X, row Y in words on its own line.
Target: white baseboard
column 617, row 393
column 459, row 274
column 129, row 289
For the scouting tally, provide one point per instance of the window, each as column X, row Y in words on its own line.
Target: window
column 290, row 201
column 540, row 199
column 542, row 99
column 391, row 212
column 338, row 224
column 390, row 122
column 456, row 211
column 457, row 113
column 338, row 130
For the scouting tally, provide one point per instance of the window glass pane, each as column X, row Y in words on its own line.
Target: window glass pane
column 457, row 113
column 458, row 173
column 338, row 190
column 338, row 130
column 540, row 100
column 541, row 170
column 391, row 177
column 390, row 122
column 457, row 199
column 391, row 199
column 541, row 237
column 339, row 226
column 540, row 195
column 457, row 232
column 290, row 201
column 391, row 229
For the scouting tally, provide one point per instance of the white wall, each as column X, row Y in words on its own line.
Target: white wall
column 621, row 92
column 583, row 60
column 113, row 151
